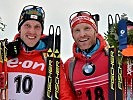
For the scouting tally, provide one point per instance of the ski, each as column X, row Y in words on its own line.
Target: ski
column 112, row 61
column 115, row 67
column 49, row 60
column 115, row 74
column 57, row 63
column 119, row 79
column 53, row 64
column 129, row 88
column 112, row 74
column 3, row 69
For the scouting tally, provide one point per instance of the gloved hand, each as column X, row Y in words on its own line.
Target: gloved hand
column 13, row 48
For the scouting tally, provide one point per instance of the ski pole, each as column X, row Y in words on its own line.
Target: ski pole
column 3, row 67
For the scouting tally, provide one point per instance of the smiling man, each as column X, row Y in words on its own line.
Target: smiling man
column 87, row 71
column 27, row 67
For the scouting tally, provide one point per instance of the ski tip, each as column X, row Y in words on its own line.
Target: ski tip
column 117, row 18
column 110, row 19
column 58, row 30
column 51, row 29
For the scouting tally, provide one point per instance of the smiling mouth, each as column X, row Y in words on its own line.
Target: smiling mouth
column 84, row 40
column 31, row 37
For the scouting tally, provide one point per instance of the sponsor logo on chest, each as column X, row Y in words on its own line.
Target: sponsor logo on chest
column 26, row 64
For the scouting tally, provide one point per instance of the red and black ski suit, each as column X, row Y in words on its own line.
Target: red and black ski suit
column 27, row 77
column 94, row 86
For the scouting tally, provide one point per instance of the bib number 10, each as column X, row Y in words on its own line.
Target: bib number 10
column 23, row 84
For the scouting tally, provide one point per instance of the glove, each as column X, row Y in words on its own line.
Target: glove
column 13, row 48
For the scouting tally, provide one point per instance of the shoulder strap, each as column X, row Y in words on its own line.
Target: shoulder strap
column 71, row 69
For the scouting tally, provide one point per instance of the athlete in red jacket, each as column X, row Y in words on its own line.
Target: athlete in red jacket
column 89, row 77
column 27, row 69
